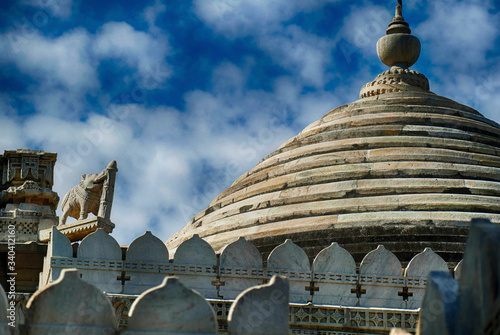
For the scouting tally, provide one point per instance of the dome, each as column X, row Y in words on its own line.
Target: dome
column 402, row 167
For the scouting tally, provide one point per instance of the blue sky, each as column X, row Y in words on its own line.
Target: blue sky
column 187, row 95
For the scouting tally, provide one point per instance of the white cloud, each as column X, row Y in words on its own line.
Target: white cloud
column 62, row 9
column 12, row 135
column 62, row 68
column 119, row 40
column 65, row 68
column 363, row 27
column 459, row 35
column 238, row 18
column 301, row 52
column 64, row 60
column 151, row 13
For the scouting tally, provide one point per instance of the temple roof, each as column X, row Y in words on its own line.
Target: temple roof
column 402, row 167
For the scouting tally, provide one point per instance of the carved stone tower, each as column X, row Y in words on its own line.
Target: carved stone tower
column 27, row 202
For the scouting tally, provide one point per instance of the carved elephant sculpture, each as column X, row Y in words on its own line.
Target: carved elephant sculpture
column 84, row 198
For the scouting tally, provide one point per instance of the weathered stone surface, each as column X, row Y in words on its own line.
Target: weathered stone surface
column 194, row 264
column 381, row 276
column 288, row 256
column 479, row 278
column 70, row 306
column 420, row 267
column 101, row 246
column 380, row 262
column 143, row 254
column 240, row 268
column 290, row 260
column 59, row 246
column 334, row 273
column 440, row 306
column 261, row 310
column 171, row 308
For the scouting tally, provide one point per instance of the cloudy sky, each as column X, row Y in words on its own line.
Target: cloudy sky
column 187, row 95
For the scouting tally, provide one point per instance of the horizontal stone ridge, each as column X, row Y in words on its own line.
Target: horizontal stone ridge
column 409, row 159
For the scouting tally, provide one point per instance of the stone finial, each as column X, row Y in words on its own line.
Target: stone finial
column 398, row 48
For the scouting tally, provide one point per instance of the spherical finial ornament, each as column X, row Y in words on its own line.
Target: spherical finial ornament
column 398, row 48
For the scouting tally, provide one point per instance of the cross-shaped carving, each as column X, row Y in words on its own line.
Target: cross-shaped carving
column 405, row 293
column 123, row 277
column 358, row 290
column 218, row 283
column 312, row 288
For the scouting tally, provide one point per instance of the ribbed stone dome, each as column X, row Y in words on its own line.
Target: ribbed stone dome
column 401, row 167
column 407, row 170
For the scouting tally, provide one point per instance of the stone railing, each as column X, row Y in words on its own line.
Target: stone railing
column 332, row 279
column 70, row 305
column 302, row 318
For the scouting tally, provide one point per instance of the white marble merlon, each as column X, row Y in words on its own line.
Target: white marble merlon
column 70, row 306
column 289, row 260
column 381, row 279
column 240, row 267
column 420, row 267
column 171, row 308
column 59, row 247
column 142, row 256
column 195, row 263
column 100, row 248
column 335, row 277
column 261, row 310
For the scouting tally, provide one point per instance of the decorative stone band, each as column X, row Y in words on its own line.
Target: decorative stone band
column 383, row 280
column 334, row 319
column 199, row 270
column 335, row 278
column 297, row 275
column 304, row 318
column 88, row 264
column 395, row 80
column 243, row 273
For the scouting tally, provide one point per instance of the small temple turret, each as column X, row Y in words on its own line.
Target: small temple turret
column 399, row 50
column 27, row 202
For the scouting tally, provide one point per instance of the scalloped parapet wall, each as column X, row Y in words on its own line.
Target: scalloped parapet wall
column 332, row 279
